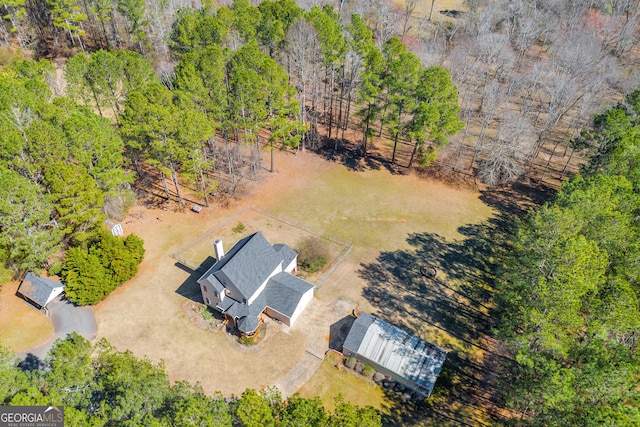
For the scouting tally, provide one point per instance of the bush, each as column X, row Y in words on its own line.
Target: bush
column 312, row 254
column 206, row 313
column 5, row 275
column 238, row 228
column 368, row 371
column 91, row 273
column 350, row 362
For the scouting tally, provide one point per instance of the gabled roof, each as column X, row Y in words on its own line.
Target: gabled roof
column 38, row 289
column 408, row 356
column 247, row 265
column 285, row 253
column 284, row 292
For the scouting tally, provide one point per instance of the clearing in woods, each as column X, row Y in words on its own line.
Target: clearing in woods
column 395, row 222
column 378, row 211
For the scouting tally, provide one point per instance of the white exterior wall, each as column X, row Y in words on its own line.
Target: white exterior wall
column 264, row 284
column 54, row 293
column 304, row 302
column 292, row 265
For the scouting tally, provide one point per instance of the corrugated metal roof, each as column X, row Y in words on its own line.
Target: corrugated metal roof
column 390, row 347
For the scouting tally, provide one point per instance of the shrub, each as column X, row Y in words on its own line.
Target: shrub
column 312, row 254
column 350, row 362
column 238, row 228
column 206, row 313
column 246, row 340
column 5, row 275
column 93, row 271
column 368, row 371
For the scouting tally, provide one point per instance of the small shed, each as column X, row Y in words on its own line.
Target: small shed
column 39, row 291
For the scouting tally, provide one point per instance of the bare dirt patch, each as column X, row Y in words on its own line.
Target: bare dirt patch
column 22, row 327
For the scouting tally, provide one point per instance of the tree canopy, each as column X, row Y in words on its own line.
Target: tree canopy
column 570, row 297
column 100, row 386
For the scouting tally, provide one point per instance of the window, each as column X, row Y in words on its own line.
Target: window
column 204, row 289
column 208, row 301
column 215, row 294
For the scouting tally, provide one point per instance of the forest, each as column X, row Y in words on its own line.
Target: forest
column 100, row 386
column 569, row 290
column 101, row 99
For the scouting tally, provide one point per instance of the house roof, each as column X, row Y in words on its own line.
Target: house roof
column 38, row 289
column 247, row 265
column 395, row 350
column 284, row 292
column 285, row 252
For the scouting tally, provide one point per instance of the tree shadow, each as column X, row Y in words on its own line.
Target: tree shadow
column 31, row 362
column 352, row 157
column 455, row 308
column 519, row 197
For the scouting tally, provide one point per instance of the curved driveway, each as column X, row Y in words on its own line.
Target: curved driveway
column 66, row 318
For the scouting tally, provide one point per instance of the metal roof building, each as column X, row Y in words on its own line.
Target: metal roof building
column 406, row 358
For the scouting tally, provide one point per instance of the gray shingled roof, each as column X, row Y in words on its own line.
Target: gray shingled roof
column 225, row 304
column 390, row 347
column 357, row 332
column 285, row 291
column 212, row 281
column 250, row 265
column 285, row 252
column 247, row 265
column 248, row 324
column 37, row 289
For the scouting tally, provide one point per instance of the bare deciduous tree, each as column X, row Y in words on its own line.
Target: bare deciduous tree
column 503, row 158
column 304, row 61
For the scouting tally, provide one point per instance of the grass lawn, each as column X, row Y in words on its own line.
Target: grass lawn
column 329, row 382
column 275, row 230
column 395, row 222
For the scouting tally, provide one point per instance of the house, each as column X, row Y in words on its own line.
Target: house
column 39, row 291
column 252, row 279
column 406, row 358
